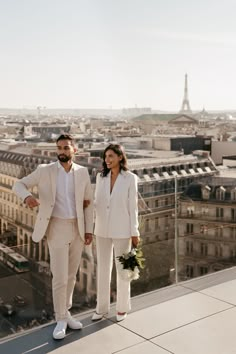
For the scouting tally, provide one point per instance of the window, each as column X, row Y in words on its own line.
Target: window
column 190, row 211
column 189, row 247
column 204, row 210
column 219, row 231
column 233, row 233
column 233, row 252
column 233, row 194
column 206, row 192
column 203, row 229
column 166, row 220
column 233, row 214
column 218, row 251
column 189, row 271
column 147, row 225
column 203, row 270
column 156, row 223
column 219, row 212
column 204, row 249
column 220, row 193
column 189, row 228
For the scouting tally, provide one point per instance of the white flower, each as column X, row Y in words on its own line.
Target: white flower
column 128, row 274
column 133, row 252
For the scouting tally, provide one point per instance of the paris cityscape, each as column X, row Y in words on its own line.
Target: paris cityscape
column 157, row 78
column 185, row 158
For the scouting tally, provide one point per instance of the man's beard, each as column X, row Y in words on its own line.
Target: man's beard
column 63, row 158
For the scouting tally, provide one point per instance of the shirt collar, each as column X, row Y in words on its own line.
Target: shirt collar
column 60, row 166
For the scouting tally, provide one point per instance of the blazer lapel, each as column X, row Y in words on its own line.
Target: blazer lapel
column 107, row 181
column 53, row 177
column 77, row 182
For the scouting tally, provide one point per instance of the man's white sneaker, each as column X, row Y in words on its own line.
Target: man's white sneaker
column 60, row 330
column 72, row 323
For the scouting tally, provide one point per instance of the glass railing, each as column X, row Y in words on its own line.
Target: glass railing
column 175, row 245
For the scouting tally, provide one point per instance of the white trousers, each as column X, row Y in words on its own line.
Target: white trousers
column 104, row 268
column 65, row 249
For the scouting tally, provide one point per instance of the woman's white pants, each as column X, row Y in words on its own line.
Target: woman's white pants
column 105, row 248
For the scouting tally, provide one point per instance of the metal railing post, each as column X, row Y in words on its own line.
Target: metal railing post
column 176, row 233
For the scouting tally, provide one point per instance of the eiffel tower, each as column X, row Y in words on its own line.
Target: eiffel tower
column 185, row 108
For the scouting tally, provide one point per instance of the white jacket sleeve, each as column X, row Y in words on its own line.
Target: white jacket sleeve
column 21, row 187
column 133, row 206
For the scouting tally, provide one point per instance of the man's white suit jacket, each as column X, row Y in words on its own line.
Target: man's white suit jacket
column 45, row 178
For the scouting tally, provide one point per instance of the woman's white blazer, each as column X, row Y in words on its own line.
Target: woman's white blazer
column 116, row 213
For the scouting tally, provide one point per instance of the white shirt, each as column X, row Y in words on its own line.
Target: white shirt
column 64, row 207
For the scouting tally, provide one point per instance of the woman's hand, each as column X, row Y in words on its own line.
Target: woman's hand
column 86, row 203
column 88, row 239
column 135, row 241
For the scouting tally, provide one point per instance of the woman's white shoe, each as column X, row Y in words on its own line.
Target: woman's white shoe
column 121, row 317
column 96, row 316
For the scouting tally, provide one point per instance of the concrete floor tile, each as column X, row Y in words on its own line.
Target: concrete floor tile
column 106, row 341
column 212, row 335
column 146, row 347
column 169, row 315
column 225, row 291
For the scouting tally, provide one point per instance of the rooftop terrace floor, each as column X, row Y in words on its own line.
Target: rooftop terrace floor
column 194, row 317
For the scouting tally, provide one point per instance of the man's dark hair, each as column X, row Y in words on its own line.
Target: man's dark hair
column 66, row 137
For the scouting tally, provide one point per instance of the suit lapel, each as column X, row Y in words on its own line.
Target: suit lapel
column 53, row 177
column 76, row 181
column 117, row 183
column 107, row 181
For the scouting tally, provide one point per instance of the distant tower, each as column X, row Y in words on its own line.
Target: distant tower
column 185, row 108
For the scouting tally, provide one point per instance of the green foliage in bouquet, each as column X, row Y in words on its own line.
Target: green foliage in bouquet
column 132, row 259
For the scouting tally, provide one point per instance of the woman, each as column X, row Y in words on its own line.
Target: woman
column 116, row 226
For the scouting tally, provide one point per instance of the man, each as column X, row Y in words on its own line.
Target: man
column 63, row 186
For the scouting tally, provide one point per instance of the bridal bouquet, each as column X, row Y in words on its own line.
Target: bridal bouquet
column 131, row 263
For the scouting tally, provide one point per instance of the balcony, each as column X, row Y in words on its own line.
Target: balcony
column 192, row 317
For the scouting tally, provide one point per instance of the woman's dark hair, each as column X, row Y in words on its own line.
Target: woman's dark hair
column 118, row 150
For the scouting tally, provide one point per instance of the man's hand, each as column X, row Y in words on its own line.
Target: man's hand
column 86, row 203
column 31, row 202
column 88, row 239
column 135, row 241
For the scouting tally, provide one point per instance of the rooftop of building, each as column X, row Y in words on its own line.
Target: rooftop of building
column 191, row 317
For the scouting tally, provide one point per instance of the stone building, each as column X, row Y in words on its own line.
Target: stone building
column 207, row 227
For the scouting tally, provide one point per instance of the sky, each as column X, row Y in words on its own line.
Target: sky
column 117, row 54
